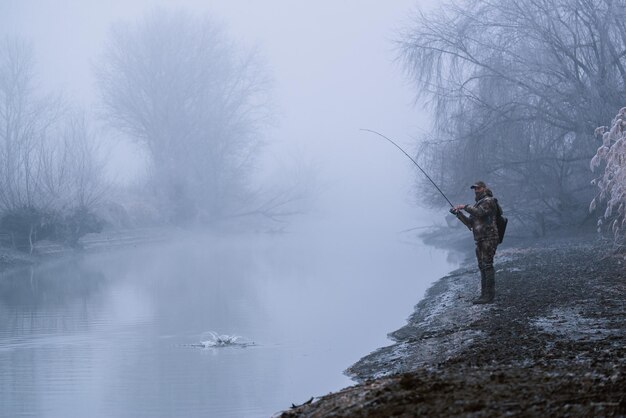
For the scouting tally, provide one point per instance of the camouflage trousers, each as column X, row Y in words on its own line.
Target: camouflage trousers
column 485, row 252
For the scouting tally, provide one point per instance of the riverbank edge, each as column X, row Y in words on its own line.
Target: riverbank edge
column 439, row 326
column 457, row 359
column 11, row 258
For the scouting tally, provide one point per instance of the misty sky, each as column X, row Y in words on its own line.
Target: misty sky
column 333, row 70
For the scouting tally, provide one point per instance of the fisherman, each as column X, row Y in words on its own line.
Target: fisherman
column 482, row 222
column 485, row 221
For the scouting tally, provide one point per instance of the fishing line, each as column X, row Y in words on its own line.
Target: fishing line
column 414, row 162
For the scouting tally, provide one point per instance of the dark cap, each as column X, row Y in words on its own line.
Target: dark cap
column 478, row 184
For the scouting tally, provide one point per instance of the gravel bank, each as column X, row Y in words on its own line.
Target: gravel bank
column 553, row 343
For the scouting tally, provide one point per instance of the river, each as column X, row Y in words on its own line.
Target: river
column 136, row 331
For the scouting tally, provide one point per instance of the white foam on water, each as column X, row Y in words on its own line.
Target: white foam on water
column 223, row 340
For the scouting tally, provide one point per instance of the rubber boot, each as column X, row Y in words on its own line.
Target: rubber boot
column 482, row 288
column 490, row 284
column 490, row 288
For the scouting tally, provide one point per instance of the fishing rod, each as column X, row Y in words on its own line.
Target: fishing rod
column 414, row 162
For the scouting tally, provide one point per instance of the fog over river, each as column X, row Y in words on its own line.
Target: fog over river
column 132, row 332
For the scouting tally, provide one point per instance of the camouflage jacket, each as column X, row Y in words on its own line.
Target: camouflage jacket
column 482, row 218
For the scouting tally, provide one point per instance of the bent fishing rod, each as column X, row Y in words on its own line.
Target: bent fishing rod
column 414, row 162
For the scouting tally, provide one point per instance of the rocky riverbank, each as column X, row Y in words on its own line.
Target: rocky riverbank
column 552, row 344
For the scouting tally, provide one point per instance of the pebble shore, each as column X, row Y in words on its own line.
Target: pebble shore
column 552, row 344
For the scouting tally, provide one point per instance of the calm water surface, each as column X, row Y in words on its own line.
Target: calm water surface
column 117, row 334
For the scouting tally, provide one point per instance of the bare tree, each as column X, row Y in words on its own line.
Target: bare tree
column 517, row 87
column 180, row 87
column 25, row 120
column 50, row 172
column 82, row 166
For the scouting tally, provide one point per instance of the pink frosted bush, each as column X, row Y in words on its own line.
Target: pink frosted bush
column 611, row 156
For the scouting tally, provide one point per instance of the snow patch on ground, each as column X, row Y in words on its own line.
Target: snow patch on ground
column 568, row 322
column 440, row 313
column 437, row 331
column 510, row 254
column 511, row 270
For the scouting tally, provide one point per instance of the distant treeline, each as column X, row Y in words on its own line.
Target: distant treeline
column 176, row 85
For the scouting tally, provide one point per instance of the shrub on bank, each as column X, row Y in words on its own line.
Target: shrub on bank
column 25, row 226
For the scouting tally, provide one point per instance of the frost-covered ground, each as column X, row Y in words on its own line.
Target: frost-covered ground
column 553, row 343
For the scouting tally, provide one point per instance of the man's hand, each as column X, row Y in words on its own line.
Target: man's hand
column 467, row 221
column 456, row 209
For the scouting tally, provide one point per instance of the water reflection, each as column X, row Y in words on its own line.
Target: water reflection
column 117, row 334
column 29, row 295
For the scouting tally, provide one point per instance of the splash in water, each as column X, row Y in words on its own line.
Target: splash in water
column 223, row 340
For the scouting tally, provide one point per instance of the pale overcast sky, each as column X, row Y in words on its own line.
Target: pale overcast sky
column 333, row 67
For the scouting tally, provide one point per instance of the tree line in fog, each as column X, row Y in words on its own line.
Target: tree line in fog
column 173, row 83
